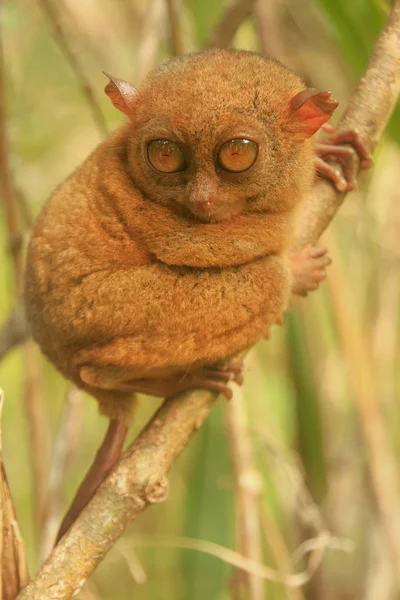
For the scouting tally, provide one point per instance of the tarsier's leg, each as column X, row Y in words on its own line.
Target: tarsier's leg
column 309, row 269
column 106, row 457
column 332, row 147
column 213, row 377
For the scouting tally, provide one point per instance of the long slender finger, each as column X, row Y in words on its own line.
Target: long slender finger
column 329, row 172
column 317, row 251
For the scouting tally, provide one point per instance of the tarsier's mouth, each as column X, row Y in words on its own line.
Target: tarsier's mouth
column 210, row 212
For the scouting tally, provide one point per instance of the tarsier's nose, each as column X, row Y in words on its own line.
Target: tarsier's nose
column 202, row 205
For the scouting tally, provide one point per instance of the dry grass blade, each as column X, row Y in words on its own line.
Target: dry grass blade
column 14, row 571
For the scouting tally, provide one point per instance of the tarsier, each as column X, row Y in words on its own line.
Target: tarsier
column 167, row 251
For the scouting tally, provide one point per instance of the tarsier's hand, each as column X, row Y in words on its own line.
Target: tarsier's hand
column 330, row 147
column 309, row 269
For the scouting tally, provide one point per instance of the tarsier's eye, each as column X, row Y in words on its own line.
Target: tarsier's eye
column 237, row 155
column 166, row 156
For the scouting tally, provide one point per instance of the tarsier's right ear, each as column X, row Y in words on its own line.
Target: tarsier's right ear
column 122, row 94
column 310, row 109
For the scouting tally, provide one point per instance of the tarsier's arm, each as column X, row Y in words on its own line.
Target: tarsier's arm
column 220, row 312
column 220, row 244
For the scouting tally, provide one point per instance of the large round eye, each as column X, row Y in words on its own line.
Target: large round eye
column 166, row 156
column 237, row 155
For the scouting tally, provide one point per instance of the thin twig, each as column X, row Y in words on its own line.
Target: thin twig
column 84, row 84
column 175, row 29
column 227, row 26
column 140, row 478
column 248, row 490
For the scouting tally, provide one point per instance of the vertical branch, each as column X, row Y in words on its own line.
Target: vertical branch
column 175, row 30
column 248, row 490
column 86, row 88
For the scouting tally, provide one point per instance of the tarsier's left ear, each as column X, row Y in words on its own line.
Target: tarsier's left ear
column 122, row 94
column 311, row 109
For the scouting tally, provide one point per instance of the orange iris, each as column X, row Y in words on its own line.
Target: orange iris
column 166, row 156
column 237, row 155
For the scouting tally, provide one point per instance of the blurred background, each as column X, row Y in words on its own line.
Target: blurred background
column 319, row 408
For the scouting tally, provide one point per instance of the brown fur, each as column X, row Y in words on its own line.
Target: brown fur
column 123, row 277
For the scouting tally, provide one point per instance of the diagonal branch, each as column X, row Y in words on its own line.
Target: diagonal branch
column 140, row 478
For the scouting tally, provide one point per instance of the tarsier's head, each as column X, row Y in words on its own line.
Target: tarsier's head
column 222, row 132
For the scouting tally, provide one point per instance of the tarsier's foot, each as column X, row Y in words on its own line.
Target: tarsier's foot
column 330, row 147
column 211, row 377
column 309, row 269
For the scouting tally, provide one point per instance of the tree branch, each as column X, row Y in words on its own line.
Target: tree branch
column 140, row 478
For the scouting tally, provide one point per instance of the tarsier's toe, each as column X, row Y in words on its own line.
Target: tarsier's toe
column 224, row 372
column 332, row 147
